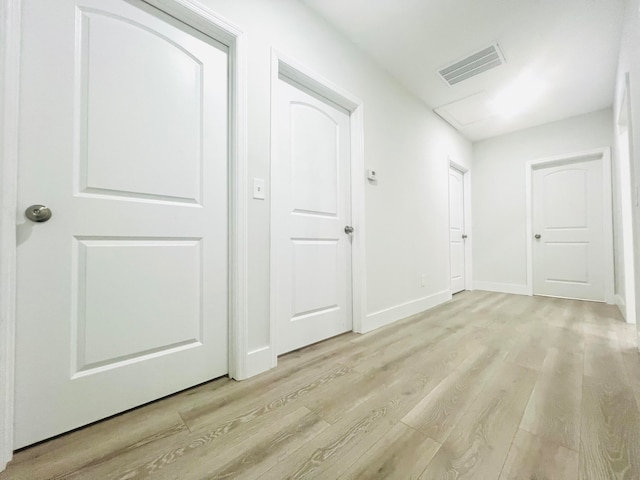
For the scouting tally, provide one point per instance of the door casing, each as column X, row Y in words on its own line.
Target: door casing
column 605, row 155
column 10, row 89
column 216, row 27
column 282, row 65
column 628, row 306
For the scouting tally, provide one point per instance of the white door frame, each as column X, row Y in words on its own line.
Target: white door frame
column 596, row 154
column 623, row 125
column 468, row 250
column 281, row 64
column 9, row 83
column 201, row 18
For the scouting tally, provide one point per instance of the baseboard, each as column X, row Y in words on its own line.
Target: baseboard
column 513, row 288
column 258, row 361
column 389, row 315
column 619, row 301
column 3, row 463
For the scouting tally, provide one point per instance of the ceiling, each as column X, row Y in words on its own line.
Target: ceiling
column 561, row 55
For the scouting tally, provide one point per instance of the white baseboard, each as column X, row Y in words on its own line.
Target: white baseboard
column 258, row 361
column 622, row 306
column 393, row 314
column 513, row 288
column 619, row 301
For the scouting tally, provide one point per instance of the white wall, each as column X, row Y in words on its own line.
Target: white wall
column 630, row 64
column 406, row 212
column 498, row 193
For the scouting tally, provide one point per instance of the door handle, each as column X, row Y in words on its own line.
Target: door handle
column 348, row 229
column 537, row 236
column 464, row 236
column 38, row 213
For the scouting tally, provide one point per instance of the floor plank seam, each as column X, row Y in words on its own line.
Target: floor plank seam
column 184, row 422
column 515, row 432
column 551, row 441
column 506, row 458
column 417, row 430
column 582, row 406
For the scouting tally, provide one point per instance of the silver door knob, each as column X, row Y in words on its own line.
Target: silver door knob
column 38, row 213
column 464, row 237
column 348, row 229
column 537, row 236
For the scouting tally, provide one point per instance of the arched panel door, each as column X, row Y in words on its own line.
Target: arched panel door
column 568, row 227
column 122, row 293
column 311, row 208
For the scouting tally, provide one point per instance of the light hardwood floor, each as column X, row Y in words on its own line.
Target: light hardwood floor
column 487, row 386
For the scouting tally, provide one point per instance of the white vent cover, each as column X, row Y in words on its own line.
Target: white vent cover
column 473, row 65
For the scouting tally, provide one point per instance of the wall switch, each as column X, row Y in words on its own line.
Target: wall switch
column 372, row 175
column 258, row 188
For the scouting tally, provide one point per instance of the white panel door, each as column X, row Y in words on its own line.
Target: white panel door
column 456, row 230
column 568, row 227
column 122, row 294
column 311, row 207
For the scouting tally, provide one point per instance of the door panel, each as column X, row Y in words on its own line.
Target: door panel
column 314, row 160
column 311, row 207
column 568, row 258
column 117, row 59
column 315, row 276
column 456, row 230
column 136, row 286
column 565, row 199
column 126, row 142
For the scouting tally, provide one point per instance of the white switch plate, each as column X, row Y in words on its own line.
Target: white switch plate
column 372, row 174
column 258, row 188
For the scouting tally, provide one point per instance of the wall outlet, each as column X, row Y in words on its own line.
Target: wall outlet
column 423, row 280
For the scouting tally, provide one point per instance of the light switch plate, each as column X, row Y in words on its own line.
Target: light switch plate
column 258, row 188
column 372, row 174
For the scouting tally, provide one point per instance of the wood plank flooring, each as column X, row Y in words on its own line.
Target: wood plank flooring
column 486, row 386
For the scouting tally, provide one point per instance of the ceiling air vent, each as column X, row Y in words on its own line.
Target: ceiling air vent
column 473, row 65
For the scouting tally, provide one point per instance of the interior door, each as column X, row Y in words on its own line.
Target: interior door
column 456, row 230
column 311, row 208
column 122, row 293
column 568, row 227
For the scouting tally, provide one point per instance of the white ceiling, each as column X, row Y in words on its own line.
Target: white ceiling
column 567, row 49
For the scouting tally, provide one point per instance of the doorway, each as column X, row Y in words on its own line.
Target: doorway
column 457, row 230
column 311, row 241
column 311, row 214
column 570, row 235
column 130, row 306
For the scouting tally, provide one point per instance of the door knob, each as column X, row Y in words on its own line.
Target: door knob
column 537, row 236
column 464, row 236
column 348, row 229
column 38, row 213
